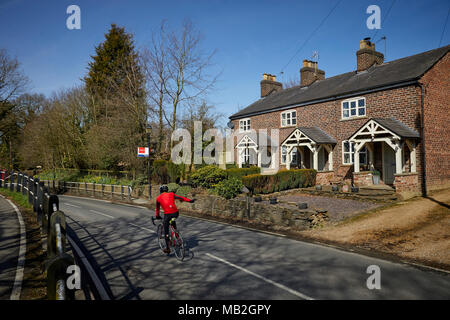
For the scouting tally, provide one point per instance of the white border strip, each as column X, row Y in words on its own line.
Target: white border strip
column 276, row 284
column 17, row 288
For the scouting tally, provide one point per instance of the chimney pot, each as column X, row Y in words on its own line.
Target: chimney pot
column 310, row 73
column 269, row 85
column 366, row 56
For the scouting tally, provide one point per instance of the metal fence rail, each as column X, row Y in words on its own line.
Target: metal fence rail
column 89, row 188
column 53, row 225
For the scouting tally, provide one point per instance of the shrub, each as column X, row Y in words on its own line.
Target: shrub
column 282, row 180
column 173, row 187
column 164, row 171
column 208, row 176
column 240, row 172
column 183, row 191
column 229, row 188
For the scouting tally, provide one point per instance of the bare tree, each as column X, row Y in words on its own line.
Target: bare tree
column 154, row 62
column 178, row 71
column 12, row 80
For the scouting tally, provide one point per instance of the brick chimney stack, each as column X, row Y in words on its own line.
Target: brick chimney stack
column 269, row 85
column 366, row 56
column 310, row 73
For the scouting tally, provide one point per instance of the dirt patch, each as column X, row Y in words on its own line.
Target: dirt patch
column 418, row 229
column 338, row 209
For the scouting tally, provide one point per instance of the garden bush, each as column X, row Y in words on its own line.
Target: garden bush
column 164, row 171
column 173, row 187
column 229, row 188
column 184, row 191
column 283, row 180
column 208, row 176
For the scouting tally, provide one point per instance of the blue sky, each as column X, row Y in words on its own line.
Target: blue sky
column 251, row 37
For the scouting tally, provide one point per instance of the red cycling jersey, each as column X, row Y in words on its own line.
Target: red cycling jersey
column 166, row 200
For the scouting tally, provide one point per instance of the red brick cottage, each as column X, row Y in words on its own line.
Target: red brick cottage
column 392, row 117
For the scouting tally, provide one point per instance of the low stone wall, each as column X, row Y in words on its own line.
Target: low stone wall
column 407, row 184
column 275, row 215
column 363, row 178
column 324, row 177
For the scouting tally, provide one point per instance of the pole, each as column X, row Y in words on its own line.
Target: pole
column 148, row 168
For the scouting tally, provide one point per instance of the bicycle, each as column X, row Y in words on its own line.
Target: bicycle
column 175, row 238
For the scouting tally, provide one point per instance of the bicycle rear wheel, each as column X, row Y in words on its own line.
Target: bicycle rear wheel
column 177, row 243
column 160, row 235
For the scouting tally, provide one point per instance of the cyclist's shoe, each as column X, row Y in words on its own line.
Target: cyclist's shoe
column 166, row 250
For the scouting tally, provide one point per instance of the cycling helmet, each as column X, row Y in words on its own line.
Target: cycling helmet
column 163, row 188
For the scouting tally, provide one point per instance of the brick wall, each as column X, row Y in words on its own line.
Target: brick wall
column 406, row 183
column 403, row 104
column 437, row 119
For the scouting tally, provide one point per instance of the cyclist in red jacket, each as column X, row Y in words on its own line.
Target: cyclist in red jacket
column 166, row 200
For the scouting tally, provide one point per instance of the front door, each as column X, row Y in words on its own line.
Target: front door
column 388, row 164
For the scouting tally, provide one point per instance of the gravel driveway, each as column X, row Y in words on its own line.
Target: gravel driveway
column 338, row 209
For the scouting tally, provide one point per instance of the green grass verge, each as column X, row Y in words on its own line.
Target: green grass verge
column 16, row 197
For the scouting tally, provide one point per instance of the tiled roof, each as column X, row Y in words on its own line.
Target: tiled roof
column 378, row 76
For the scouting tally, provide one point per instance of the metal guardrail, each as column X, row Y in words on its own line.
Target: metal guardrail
column 90, row 188
column 53, row 225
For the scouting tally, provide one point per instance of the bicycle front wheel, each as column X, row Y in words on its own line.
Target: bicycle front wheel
column 160, row 235
column 178, row 243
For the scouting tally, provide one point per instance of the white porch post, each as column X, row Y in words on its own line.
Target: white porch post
column 356, row 162
column 288, row 158
column 316, row 158
column 302, row 156
column 370, row 148
column 412, row 155
column 259, row 158
column 240, row 157
column 357, row 147
column 398, row 157
column 329, row 149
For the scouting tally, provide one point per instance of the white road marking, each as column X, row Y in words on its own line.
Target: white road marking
column 135, row 225
column 103, row 214
column 17, row 288
column 70, row 205
column 279, row 285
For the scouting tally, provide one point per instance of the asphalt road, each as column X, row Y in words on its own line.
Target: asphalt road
column 9, row 248
column 227, row 262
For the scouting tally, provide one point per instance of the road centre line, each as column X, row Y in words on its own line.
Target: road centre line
column 135, row 225
column 279, row 285
column 103, row 214
column 71, row 205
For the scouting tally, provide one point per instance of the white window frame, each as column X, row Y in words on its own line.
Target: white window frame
column 356, row 108
column 244, row 125
column 289, row 119
column 294, row 152
column 352, row 154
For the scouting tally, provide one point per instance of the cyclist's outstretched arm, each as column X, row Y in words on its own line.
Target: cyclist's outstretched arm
column 177, row 197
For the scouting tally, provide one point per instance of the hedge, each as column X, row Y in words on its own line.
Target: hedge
column 240, row 172
column 282, row 180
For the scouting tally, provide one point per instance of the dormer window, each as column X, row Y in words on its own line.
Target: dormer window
column 289, row 118
column 353, row 108
column 244, row 125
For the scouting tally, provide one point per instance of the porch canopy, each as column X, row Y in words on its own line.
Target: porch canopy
column 253, row 144
column 390, row 131
column 314, row 139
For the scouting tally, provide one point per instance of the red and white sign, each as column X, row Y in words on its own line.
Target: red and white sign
column 143, row 151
